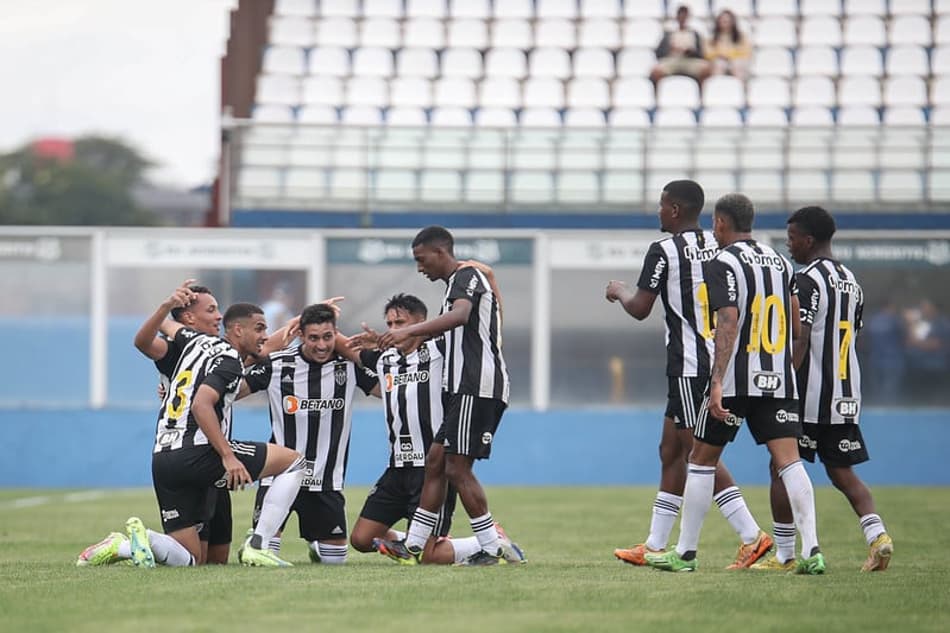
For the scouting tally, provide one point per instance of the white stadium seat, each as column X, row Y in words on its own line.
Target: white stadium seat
column 555, row 33
column 812, row 116
column 588, row 93
column 501, row 92
column 302, row 8
column 323, row 91
column 425, row 9
column 380, row 32
column 655, row 9
column 584, row 118
column 557, row 8
column 777, row 31
column 531, row 187
column 723, row 90
column 600, row 9
column 372, row 62
column 904, row 115
column 908, row 60
column 853, row 186
column 766, row 116
column 723, row 117
column 910, row 29
column 523, row 9
column 467, row 34
column 512, row 34
column 332, row 61
column 865, row 7
column 317, row 114
column 424, row 32
column 768, row 91
column 451, row 116
column 278, row 89
column 629, row 117
column 540, row 117
column 495, row 117
column 485, row 187
column 861, row 60
column 284, row 60
column 914, row 7
column 480, row 9
column 382, row 8
column 820, row 30
column 454, row 91
column 813, row 91
column 543, row 92
column 593, row 62
column 674, row 117
column 339, row 8
column 506, row 62
column 361, row 115
column 676, row 91
column 417, row 62
column 549, row 62
column 367, row 91
column 599, row 32
column 859, row 91
column 410, row 91
column 784, row 8
column 900, row 185
column 291, row 30
column 440, row 186
column 635, row 62
column 406, row 117
column 905, row 91
column 642, row 32
column 581, row 188
column 462, row 62
column 337, row 32
column 858, row 116
column 864, row 30
column 633, row 92
column 398, row 185
column 773, row 61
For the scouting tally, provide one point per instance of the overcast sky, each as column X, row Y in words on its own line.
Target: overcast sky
column 130, row 68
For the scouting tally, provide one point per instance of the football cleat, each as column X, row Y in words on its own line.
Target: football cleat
column 510, row 550
column 750, row 552
column 105, row 552
column 811, row 566
column 635, row 555
column 771, row 563
column 138, row 541
column 879, row 555
column 251, row 556
column 671, row 561
column 481, row 558
column 398, row 551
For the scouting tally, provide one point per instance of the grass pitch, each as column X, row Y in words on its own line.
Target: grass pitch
column 572, row 582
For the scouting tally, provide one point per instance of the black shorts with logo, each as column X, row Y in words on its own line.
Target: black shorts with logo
column 217, row 530
column 838, row 445
column 184, row 478
column 684, row 398
column 469, row 424
column 768, row 418
column 321, row 516
column 396, row 495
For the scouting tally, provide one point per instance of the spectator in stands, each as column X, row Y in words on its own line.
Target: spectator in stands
column 728, row 50
column 680, row 52
column 887, row 359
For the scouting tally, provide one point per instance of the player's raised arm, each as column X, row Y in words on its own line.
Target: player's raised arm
column 146, row 339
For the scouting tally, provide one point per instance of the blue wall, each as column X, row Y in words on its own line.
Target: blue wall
column 79, row 448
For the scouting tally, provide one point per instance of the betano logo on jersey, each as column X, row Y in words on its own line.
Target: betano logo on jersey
column 763, row 259
column 293, row 404
column 398, row 380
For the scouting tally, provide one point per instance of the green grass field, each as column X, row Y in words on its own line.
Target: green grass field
column 572, row 582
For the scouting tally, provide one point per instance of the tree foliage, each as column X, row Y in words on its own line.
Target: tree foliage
column 94, row 187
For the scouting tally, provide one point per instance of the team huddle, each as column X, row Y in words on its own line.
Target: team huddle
column 748, row 338
column 444, row 387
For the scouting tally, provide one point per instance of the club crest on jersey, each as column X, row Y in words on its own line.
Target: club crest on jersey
column 767, row 381
column 424, row 354
column 339, row 375
column 846, row 407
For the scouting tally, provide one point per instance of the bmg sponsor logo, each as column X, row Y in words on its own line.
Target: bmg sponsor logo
column 767, row 381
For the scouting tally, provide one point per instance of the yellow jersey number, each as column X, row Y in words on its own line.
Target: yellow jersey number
column 176, row 405
column 765, row 312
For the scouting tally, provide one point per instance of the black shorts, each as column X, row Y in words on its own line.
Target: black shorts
column 184, row 478
column 838, row 445
column 321, row 516
column 217, row 530
column 768, row 418
column 684, row 397
column 396, row 495
column 469, row 424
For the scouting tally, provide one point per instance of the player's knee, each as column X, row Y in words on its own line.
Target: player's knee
column 361, row 542
column 457, row 469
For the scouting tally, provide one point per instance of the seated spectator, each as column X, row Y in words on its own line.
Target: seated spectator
column 681, row 52
column 729, row 50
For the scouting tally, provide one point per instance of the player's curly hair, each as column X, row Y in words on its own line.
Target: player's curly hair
column 739, row 209
column 814, row 221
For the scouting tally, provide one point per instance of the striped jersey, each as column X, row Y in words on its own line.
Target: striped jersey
column 311, row 410
column 758, row 281
column 829, row 378
column 474, row 364
column 166, row 364
column 411, row 386
column 204, row 360
column 673, row 267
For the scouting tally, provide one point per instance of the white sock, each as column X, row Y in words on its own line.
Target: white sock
column 399, row 536
column 697, row 497
column 420, row 528
column 666, row 507
column 274, row 545
column 465, row 547
column 873, row 527
column 168, row 551
column 801, row 495
column 732, row 505
column 486, row 533
column 784, row 534
column 279, row 497
column 125, row 549
column 329, row 554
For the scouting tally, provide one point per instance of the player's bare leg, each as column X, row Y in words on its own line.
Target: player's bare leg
column 880, row 545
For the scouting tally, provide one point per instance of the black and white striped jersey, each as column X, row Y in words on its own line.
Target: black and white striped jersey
column 673, row 268
column 758, row 281
column 829, row 379
column 166, row 364
column 474, row 364
column 311, row 410
column 411, row 386
column 204, row 360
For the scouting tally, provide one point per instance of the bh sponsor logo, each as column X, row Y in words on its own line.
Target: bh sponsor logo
column 767, row 381
column 846, row 407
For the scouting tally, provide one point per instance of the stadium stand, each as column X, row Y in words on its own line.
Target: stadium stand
column 846, row 101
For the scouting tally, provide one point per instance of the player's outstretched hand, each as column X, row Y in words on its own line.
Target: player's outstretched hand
column 332, row 302
column 183, row 296
column 615, row 289
column 367, row 339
